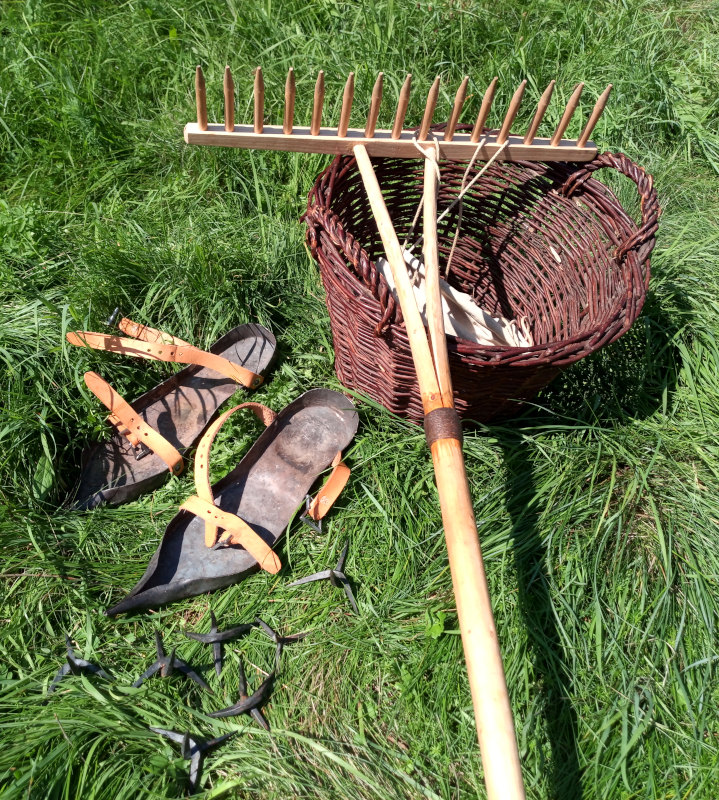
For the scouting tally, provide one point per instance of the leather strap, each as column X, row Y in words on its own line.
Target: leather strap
column 202, row 459
column 131, row 424
column 325, row 498
column 177, row 351
column 138, row 331
column 442, row 423
column 237, row 531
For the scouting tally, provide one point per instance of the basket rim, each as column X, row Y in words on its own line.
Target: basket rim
column 632, row 256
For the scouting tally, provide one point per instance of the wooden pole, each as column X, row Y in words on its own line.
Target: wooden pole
column 493, row 716
column 435, row 318
column 492, row 712
column 428, row 386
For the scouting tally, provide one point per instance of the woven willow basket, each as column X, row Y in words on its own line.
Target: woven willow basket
column 545, row 241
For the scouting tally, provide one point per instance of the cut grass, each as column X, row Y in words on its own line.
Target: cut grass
column 597, row 507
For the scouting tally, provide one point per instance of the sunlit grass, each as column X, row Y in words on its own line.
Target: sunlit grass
column 597, row 508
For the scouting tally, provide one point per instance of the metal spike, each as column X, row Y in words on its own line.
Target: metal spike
column 216, row 637
column 112, row 319
column 193, row 750
column 166, row 665
column 75, row 666
column 335, row 576
column 244, row 705
column 343, row 556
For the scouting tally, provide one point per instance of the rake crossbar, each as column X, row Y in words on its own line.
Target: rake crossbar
column 301, row 140
column 399, row 142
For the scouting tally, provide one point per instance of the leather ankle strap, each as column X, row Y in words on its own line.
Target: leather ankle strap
column 202, row 505
column 325, row 498
column 161, row 346
column 131, row 424
column 147, row 334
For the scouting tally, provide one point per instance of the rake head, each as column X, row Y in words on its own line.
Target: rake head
column 398, row 142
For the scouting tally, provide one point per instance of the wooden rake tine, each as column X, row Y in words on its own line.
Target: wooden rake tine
column 228, row 88
column 259, row 109
column 567, row 116
column 290, row 92
column 539, row 113
column 317, row 104
column 347, row 99
column 484, row 111
column 201, row 99
column 459, row 99
column 402, row 104
column 594, row 117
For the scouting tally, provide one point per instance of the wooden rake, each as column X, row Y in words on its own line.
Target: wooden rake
column 493, row 716
column 398, row 141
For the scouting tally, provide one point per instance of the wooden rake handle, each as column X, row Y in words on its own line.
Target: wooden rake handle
column 492, row 712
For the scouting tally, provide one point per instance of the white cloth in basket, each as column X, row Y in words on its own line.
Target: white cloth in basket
column 462, row 317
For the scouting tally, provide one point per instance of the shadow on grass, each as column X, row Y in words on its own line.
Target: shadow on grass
column 630, row 379
column 535, row 604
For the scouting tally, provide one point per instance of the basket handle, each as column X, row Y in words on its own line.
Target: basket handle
column 341, row 245
column 643, row 239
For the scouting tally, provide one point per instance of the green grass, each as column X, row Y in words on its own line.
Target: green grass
column 598, row 508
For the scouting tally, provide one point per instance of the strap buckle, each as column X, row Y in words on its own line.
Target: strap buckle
column 140, row 450
column 307, row 519
column 112, row 319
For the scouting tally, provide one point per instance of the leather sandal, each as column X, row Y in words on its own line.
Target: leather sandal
column 226, row 531
column 152, row 434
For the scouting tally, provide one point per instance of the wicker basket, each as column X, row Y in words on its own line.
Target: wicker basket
column 541, row 240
